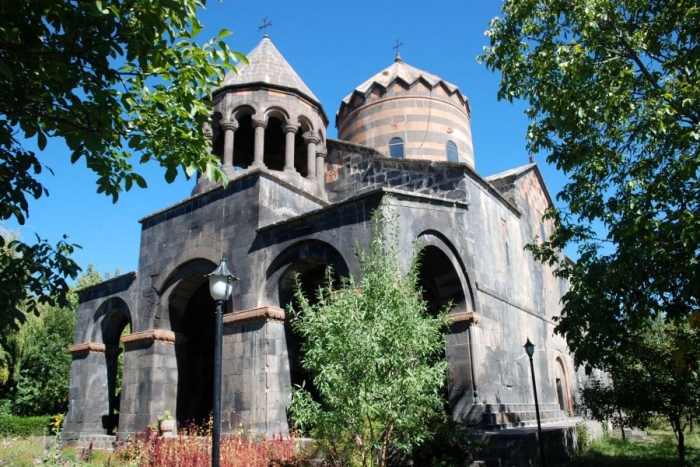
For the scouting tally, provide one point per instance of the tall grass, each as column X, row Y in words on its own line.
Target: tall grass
column 661, row 451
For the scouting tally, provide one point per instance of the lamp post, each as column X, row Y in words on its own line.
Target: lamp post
column 530, row 349
column 220, row 288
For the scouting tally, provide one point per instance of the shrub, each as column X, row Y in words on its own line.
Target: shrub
column 193, row 449
column 23, row 427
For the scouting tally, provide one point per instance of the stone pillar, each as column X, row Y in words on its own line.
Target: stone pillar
column 209, row 135
column 88, row 407
column 321, row 167
column 311, row 141
column 290, row 131
column 259, row 151
column 229, row 128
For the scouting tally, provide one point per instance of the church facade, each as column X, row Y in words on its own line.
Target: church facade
column 298, row 202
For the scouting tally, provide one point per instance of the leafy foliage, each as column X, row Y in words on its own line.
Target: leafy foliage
column 612, row 87
column 656, row 373
column 23, row 427
column 376, row 358
column 33, row 277
column 43, row 364
column 39, row 364
column 121, row 83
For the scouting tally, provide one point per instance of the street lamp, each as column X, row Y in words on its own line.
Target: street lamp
column 530, row 350
column 220, row 287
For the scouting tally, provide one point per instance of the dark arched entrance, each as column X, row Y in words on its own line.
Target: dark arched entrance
column 195, row 356
column 114, row 321
column 442, row 286
column 309, row 262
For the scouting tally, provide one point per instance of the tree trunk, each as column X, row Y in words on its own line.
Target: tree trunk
column 681, row 447
column 622, row 423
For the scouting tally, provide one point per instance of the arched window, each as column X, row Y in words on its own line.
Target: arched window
column 452, row 153
column 396, row 148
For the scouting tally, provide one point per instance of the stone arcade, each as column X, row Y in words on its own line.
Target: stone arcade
column 297, row 202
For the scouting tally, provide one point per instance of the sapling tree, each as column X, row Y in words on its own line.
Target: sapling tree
column 376, row 357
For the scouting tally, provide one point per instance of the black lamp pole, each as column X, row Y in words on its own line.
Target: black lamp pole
column 216, row 429
column 220, row 287
column 530, row 349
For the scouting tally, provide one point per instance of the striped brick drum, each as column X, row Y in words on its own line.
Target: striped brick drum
column 403, row 104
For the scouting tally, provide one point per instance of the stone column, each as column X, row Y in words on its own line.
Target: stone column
column 209, row 135
column 290, row 131
column 311, row 141
column 229, row 128
column 259, row 151
column 321, row 167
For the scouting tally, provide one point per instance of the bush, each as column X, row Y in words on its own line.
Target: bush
column 24, row 427
column 192, row 448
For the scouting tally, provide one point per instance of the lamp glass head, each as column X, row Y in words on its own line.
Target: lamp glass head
column 529, row 348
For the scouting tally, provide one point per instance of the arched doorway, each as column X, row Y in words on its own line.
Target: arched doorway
column 308, row 263
column 113, row 320
column 561, row 386
column 442, row 281
column 195, row 356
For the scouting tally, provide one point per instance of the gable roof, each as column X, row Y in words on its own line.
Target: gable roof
column 520, row 172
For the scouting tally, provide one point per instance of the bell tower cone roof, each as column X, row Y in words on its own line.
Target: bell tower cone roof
column 266, row 65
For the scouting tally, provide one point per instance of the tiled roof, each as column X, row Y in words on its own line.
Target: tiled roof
column 267, row 65
column 404, row 72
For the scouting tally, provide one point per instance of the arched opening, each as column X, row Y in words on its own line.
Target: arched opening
column 217, row 147
column 243, row 143
column 439, row 280
column 561, row 386
column 195, row 359
column 309, row 262
column 114, row 321
column 311, row 275
column 441, row 286
column 191, row 315
column 274, row 144
column 300, row 160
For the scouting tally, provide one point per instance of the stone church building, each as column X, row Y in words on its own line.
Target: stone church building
column 298, row 202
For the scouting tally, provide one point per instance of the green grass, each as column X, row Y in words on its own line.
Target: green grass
column 662, row 451
column 25, row 452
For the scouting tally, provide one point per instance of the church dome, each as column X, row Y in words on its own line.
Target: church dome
column 406, row 112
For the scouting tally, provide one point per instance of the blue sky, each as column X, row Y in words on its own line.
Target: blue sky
column 333, row 46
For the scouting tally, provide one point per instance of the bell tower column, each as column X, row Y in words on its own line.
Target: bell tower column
column 229, row 128
column 290, row 131
column 258, row 154
column 311, row 141
column 321, row 167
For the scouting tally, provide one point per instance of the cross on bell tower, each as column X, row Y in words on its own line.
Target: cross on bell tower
column 265, row 25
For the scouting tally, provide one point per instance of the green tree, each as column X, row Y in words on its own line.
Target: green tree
column 645, row 384
column 43, row 363
column 375, row 356
column 612, row 88
column 121, row 83
column 38, row 362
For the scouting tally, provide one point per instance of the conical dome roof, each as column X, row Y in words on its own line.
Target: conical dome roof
column 402, row 71
column 267, row 65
